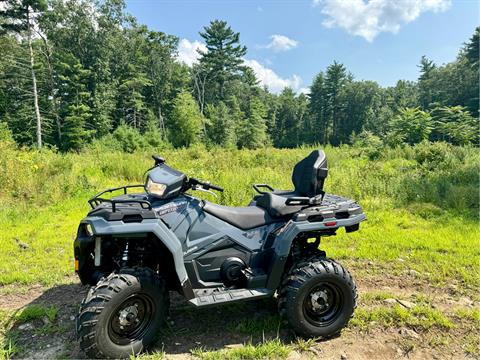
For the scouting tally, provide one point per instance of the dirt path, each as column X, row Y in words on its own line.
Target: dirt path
column 225, row 327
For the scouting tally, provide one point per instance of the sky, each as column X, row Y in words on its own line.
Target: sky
column 290, row 41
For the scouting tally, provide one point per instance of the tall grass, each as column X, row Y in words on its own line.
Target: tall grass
column 439, row 174
column 427, row 194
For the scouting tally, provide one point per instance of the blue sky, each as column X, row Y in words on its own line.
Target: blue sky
column 290, row 41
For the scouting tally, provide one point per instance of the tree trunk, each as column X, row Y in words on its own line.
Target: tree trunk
column 34, row 83
column 48, row 57
column 161, row 123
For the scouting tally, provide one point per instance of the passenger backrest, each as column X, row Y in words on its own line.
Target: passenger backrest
column 309, row 174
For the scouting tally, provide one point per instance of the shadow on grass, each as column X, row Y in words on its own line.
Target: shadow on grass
column 45, row 327
column 221, row 327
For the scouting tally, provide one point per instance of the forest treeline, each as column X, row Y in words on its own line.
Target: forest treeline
column 76, row 72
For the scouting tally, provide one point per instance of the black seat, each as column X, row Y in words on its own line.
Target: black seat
column 308, row 177
column 245, row 218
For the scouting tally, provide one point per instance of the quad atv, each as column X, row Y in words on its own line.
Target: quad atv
column 135, row 248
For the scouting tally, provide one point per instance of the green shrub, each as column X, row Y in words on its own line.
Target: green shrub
column 370, row 144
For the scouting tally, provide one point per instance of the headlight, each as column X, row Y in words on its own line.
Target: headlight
column 155, row 189
column 89, row 230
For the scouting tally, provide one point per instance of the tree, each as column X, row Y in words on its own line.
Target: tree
column 411, row 125
column 317, row 108
column 188, row 125
column 471, row 49
column 223, row 60
column 427, row 70
column 290, row 119
column 18, row 16
column 160, row 72
column 455, row 125
column 336, row 78
column 74, row 106
column 252, row 130
column 220, row 126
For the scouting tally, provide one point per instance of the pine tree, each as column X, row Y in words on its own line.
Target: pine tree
column 252, row 132
column 317, row 108
column 290, row 119
column 223, row 60
column 427, row 69
column 220, row 129
column 74, row 102
column 335, row 79
column 188, row 121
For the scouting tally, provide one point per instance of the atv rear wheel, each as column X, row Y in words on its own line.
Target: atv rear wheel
column 122, row 314
column 318, row 297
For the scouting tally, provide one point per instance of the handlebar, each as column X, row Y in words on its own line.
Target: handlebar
column 205, row 185
column 213, row 187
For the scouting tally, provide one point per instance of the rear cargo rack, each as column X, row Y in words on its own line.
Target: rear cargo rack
column 97, row 199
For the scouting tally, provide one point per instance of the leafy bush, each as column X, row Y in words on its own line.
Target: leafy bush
column 454, row 124
column 371, row 144
column 410, row 126
column 129, row 140
column 6, row 136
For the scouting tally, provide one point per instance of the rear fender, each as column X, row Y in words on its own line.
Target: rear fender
column 287, row 235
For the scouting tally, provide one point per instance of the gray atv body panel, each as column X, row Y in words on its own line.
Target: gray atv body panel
column 199, row 242
column 219, row 254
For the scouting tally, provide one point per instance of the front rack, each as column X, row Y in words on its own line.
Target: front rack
column 97, row 199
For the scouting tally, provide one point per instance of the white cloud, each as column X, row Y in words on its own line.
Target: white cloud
column 368, row 19
column 271, row 79
column 188, row 54
column 304, row 91
column 187, row 51
column 281, row 43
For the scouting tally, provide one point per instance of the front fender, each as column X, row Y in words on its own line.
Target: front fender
column 102, row 227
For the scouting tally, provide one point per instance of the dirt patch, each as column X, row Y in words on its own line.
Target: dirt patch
column 230, row 326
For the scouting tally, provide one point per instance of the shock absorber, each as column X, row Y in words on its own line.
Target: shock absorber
column 126, row 253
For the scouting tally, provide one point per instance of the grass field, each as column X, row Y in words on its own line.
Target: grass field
column 421, row 243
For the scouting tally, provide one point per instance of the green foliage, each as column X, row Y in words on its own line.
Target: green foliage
column 222, row 62
column 290, row 119
column 369, row 143
column 251, row 131
column 220, row 126
column 189, row 121
column 128, row 138
column 36, row 312
column 6, row 137
column 455, row 125
column 16, row 15
column 419, row 317
column 269, row 349
column 410, row 126
column 97, row 68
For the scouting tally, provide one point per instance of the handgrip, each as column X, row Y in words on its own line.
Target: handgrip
column 208, row 186
column 205, row 185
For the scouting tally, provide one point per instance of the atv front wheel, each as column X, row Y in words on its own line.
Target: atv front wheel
column 318, row 297
column 122, row 314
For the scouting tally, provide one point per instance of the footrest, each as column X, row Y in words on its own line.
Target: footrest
column 226, row 296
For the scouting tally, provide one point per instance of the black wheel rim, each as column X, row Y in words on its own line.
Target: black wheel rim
column 323, row 304
column 130, row 321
